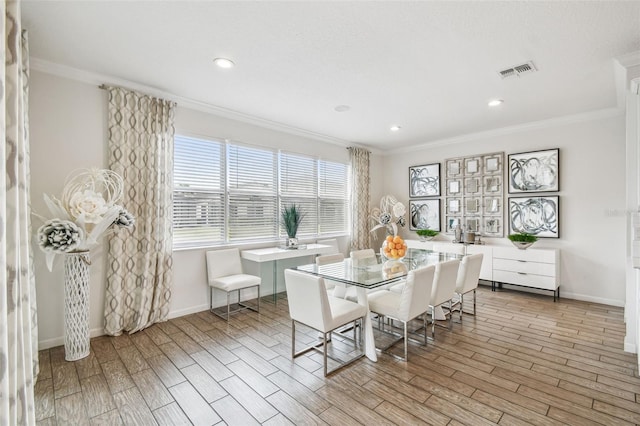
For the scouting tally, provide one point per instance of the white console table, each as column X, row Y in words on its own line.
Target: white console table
column 274, row 254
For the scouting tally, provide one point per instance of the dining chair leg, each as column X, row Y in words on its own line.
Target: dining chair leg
column 324, row 352
column 424, row 321
column 406, row 342
column 461, row 305
column 433, row 322
column 228, row 308
column 474, row 301
column 293, row 339
column 450, row 315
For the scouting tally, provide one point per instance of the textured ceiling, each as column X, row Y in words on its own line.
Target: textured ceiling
column 429, row 67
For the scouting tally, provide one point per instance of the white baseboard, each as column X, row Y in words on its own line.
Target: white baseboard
column 630, row 347
column 59, row 341
column 586, row 298
column 188, row 311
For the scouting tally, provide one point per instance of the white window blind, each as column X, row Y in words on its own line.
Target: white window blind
column 199, row 198
column 252, row 175
column 333, row 197
column 299, row 186
column 226, row 192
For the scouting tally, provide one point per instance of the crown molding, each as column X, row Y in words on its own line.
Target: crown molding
column 630, row 59
column 98, row 79
column 535, row 125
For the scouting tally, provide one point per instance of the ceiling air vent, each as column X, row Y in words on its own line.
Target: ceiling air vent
column 516, row 70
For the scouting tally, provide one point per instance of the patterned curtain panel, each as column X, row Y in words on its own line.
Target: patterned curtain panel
column 18, row 321
column 139, row 266
column 359, row 198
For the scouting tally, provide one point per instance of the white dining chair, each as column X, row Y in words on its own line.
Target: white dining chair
column 361, row 254
column 449, row 248
column 444, row 288
column 467, row 281
column 333, row 242
column 413, row 301
column 326, row 259
column 310, row 305
column 224, row 273
column 351, row 293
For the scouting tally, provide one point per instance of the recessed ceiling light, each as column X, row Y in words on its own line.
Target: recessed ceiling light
column 223, row 62
column 342, row 108
column 394, row 128
column 495, row 102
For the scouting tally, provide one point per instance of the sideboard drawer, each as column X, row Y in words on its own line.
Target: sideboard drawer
column 524, row 279
column 527, row 267
column 530, row 255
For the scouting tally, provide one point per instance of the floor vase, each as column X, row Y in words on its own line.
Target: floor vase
column 76, row 305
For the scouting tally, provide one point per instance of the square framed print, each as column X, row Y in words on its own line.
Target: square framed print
column 493, row 226
column 454, row 167
column 454, row 187
column 424, row 214
column 535, row 171
column 473, row 186
column 492, row 206
column 538, row 216
column 472, row 166
column 452, row 223
column 454, row 206
column 492, row 163
column 424, row 181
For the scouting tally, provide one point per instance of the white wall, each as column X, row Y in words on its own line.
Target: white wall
column 592, row 198
column 68, row 131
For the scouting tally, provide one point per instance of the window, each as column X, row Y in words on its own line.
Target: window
column 198, row 192
column 252, row 193
column 227, row 192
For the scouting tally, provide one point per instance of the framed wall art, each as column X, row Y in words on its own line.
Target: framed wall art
column 538, row 216
column 424, row 181
column 424, row 214
column 474, row 193
column 535, row 171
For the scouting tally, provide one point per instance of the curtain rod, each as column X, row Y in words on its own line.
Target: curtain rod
column 105, row 87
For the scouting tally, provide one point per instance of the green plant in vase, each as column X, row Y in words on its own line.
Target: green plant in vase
column 522, row 240
column 290, row 219
column 426, row 234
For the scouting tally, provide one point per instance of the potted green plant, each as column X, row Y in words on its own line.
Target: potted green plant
column 522, row 240
column 290, row 219
column 426, row 234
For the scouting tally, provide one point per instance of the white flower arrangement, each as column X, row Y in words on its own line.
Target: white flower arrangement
column 390, row 215
column 87, row 210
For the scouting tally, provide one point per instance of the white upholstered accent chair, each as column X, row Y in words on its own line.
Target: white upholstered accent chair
column 467, row 281
column 224, row 272
column 413, row 301
column 444, row 288
column 310, row 305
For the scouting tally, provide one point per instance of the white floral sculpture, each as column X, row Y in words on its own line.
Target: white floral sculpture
column 390, row 215
column 87, row 209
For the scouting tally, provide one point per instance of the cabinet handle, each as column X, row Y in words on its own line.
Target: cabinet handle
column 523, row 261
column 522, row 273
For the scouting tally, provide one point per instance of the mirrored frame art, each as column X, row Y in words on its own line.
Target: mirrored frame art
column 535, row 171
column 424, row 181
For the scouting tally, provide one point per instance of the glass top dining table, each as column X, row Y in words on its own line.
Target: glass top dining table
column 376, row 271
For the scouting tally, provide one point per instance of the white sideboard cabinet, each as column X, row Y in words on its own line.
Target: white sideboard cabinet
column 533, row 268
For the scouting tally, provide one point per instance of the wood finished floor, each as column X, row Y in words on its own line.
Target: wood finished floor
column 522, row 360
